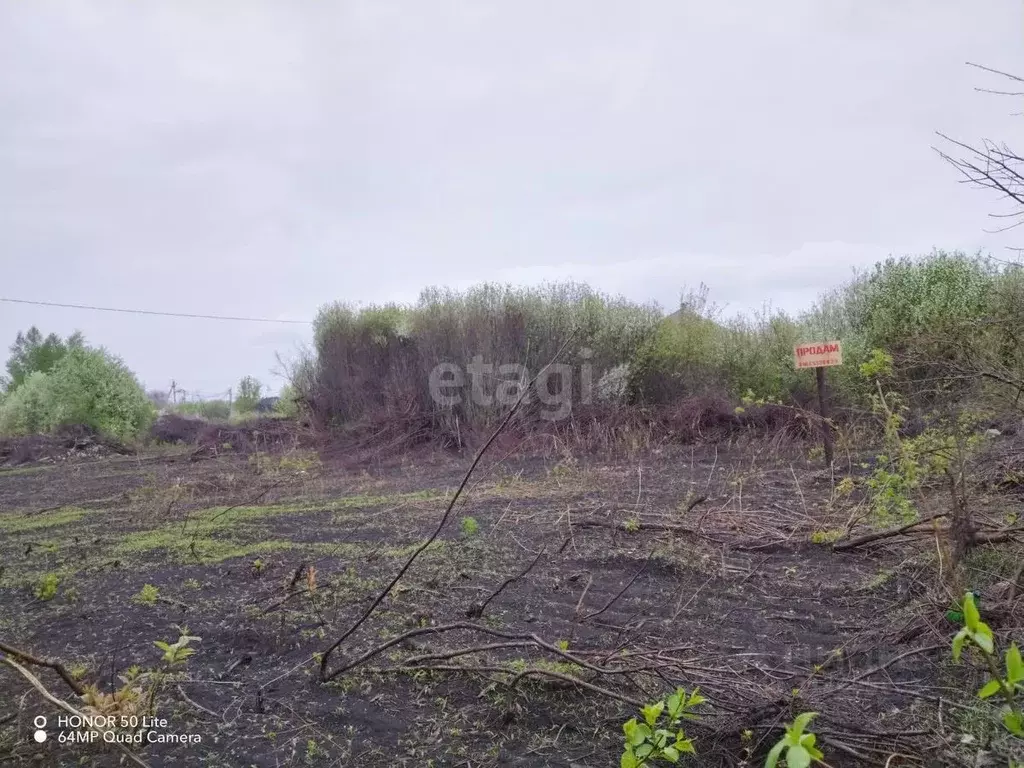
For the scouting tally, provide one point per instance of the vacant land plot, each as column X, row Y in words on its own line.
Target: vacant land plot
column 560, row 596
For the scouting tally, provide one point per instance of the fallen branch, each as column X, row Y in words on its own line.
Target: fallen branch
column 1000, row 536
column 34, row 682
column 886, row 534
column 477, row 610
column 494, row 669
column 56, row 666
column 622, row 591
column 468, row 626
column 640, row 527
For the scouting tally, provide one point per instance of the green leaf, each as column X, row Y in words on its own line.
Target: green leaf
column 630, row 729
column 990, row 688
column 797, row 757
column 971, row 615
column 686, row 746
column 643, row 751
column 628, row 760
column 958, row 643
column 1014, row 665
column 773, row 755
column 671, row 754
column 162, row 645
column 982, row 637
column 1013, row 724
column 653, row 711
column 800, row 722
column 675, row 703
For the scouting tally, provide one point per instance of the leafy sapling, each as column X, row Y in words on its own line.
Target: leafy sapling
column 660, row 736
column 798, row 746
column 977, row 633
column 469, row 527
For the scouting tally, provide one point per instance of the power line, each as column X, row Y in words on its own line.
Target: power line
column 153, row 312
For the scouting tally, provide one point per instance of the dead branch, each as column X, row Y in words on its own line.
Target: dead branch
column 34, row 682
column 622, row 591
column 56, row 666
column 640, row 527
column 867, row 538
column 477, row 610
column 468, row 626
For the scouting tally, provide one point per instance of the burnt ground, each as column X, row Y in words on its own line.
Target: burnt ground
column 704, row 566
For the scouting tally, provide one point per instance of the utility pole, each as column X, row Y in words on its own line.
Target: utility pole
column 230, row 401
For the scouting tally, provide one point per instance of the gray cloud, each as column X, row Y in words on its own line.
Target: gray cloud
column 261, row 159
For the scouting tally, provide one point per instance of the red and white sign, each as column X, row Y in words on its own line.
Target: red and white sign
column 818, row 354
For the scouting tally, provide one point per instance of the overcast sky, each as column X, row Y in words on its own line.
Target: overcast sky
column 260, row 159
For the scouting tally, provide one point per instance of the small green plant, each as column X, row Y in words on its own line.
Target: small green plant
column 300, row 463
column 660, row 735
column 749, row 399
column 78, row 671
column 977, row 633
column 631, row 524
column 469, row 527
column 825, row 537
column 177, row 652
column 312, row 750
column 46, row 589
column 844, row 487
column 148, row 595
column 798, row 746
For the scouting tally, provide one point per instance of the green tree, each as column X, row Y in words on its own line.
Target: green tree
column 249, row 390
column 95, row 388
column 25, row 410
column 31, row 353
column 86, row 386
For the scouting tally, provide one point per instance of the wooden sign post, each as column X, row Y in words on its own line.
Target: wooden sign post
column 820, row 356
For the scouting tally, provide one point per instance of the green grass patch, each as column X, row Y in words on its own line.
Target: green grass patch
column 225, row 516
column 10, row 524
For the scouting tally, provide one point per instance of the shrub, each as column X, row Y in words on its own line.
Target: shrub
column 693, row 352
column 87, row 387
column 287, row 404
column 249, row 390
column 27, row 409
column 94, row 388
column 377, row 361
